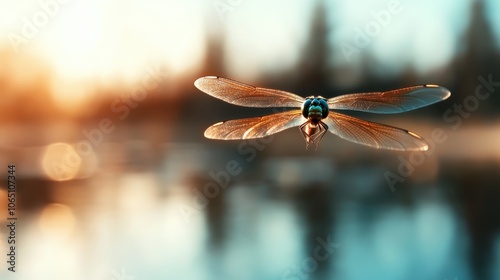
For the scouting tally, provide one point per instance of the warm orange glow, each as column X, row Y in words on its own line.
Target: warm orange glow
column 102, row 42
column 70, row 94
column 57, row 219
column 61, row 162
column 95, row 39
column 3, row 204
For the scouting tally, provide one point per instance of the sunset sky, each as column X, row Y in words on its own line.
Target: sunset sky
column 114, row 41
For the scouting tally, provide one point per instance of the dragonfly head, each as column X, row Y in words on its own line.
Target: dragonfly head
column 315, row 108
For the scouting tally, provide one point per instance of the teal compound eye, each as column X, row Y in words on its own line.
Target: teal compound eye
column 324, row 107
column 313, row 117
column 315, row 107
column 305, row 107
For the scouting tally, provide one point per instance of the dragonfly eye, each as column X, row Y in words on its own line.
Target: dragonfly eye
column 324, row 106
column 305, row 107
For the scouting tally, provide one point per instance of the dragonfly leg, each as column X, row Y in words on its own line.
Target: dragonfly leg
column 318, row 135
column 304, row 133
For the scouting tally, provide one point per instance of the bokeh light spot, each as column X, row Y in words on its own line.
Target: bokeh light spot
column 61, row 162
column 57, row 219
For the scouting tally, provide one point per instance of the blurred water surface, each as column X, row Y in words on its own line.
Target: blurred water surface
column 303, row 215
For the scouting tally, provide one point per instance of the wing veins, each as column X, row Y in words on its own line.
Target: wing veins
column 256, row 127
column 246, row 95
column 374, row 134
column 392, row 101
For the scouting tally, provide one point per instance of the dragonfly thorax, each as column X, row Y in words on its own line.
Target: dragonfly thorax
column 315, row 108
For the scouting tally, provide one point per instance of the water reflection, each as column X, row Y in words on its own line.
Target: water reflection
column 265, row 225
column 397, row 243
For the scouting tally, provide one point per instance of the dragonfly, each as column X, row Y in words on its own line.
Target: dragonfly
column 314, row 116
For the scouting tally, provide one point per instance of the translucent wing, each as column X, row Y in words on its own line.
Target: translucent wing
column 255, row 127
column 374, row 134
column 246, row 95
column 390, row 102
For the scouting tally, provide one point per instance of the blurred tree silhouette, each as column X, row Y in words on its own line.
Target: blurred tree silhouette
column 214, row 65
column 479, row 57
column 313, row 71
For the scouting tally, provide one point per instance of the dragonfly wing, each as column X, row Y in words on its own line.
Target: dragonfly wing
column 255, row 127
column 246, row 95
column 390, row 102
column 374, row 134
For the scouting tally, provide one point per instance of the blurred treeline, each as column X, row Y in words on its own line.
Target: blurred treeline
column 178, row 100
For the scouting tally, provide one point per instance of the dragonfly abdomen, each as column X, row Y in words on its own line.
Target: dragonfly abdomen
column 313, row 131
